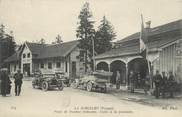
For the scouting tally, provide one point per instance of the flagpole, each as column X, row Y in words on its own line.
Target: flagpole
column 146, row 36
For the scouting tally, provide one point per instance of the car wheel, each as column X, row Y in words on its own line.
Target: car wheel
column 61, row 86
column 89, row 86
column 33, row 85
column 74, row 85
column 104, row 90
column 45, row 86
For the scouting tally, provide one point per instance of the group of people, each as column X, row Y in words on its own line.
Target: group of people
column 5, row 82
column 164, row 84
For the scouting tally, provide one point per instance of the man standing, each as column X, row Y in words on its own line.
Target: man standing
column 163, row 84
column 171, row 82
column 18, row 82
column 132, row 81
column 118, row 80
column 5, row 82
column 157, row 81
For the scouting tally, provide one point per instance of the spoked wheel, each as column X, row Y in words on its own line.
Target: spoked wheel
column 104, row 90
column 33, row 85
column 89, row 86
column 61, row 86
column 74, row 85
column 45, row 86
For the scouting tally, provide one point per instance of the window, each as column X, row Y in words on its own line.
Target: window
column 58, row 65
column 49, row 65
column 24, row 55
column 28, row 55
column 42, row 65
column 14, row 67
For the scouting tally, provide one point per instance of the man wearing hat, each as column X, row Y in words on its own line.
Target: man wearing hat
column 5, row 82
column 18, row 82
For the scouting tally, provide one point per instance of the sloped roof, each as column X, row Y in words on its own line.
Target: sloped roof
column 156, row 30
column 13, row 58
column 49, row 50
column 35, row 48
column 57, row 50
column 157, row 37
column 46, row 51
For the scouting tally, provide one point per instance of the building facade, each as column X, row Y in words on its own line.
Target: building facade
column 164, row 46
column 47, row 58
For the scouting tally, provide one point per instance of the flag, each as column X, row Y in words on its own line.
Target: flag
column 141, row 39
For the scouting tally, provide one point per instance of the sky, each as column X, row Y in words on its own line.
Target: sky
column 31, row 20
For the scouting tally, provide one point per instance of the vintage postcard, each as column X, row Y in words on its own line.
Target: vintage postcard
column 90, row 58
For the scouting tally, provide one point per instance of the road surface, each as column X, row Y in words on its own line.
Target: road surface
column 75, row 102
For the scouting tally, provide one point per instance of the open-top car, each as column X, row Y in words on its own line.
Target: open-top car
column 48, row 81
column 97, row 80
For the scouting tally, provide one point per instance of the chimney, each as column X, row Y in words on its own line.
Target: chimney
column 148, row 24
column 148, row 27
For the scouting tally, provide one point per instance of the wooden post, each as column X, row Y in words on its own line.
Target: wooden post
column 127, row 80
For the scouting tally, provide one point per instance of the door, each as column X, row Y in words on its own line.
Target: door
column 26, row 69
column 74, row 69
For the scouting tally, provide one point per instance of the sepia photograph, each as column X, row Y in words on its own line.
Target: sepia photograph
column 90, row 58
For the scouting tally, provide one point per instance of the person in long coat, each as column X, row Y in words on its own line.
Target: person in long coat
column 157, row 81
column 164, row 84
column 132, row 79
column 118, row 80
column 171, row 83
column 5, row 82
column 18, row 82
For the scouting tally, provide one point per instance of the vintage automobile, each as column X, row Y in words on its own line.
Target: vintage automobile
column 48, row 81
column 65, row 78
column 96, row 80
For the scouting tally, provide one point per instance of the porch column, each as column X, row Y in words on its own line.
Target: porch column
column 127, row 82
column 109, row 67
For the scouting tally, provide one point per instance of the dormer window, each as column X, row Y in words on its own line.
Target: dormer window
column 24, row 55
column 28, row 55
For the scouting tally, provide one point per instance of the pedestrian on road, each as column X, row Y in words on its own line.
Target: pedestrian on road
column 163, row 84
column 157, row 81
column 147, row 84
column 118, row 80
column 5, row 82
column 171, row 82
column 18, row 82
column 132, row 81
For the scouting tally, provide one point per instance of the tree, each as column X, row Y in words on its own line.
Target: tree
column 2, row 31
column 7, row 45
column 58, row 40
column 85, row 33
column 104, row 36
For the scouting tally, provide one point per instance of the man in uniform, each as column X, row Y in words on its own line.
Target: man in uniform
column 18, row 82
column 157, row 81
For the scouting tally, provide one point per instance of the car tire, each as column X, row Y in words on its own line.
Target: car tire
column 74, row 85
column 45, row 86
column 104, row 89
column 61, row 86
column 89, row 86
column 33, row 85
